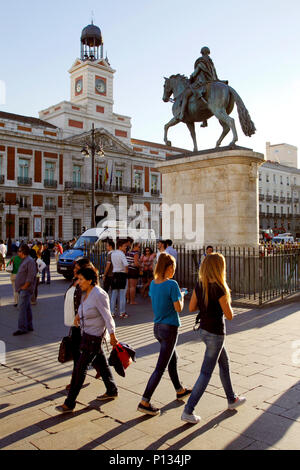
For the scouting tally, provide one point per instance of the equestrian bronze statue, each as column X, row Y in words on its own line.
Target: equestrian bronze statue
column 202, row 96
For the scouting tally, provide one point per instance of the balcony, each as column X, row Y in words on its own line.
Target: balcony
column 275, row 198
column 50, row 207
column 262, row 214
column 106, row 188
column 25, row 207
column 261, row 197
column 24, row 181
column 77, row 186
column 268, row 197
column 1, row 179
column 282, row 199
column 50, row 183
column 288, row 200
column 296, row 200
column 155, row 192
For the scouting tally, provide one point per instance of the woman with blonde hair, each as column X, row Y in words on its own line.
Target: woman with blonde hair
column 212, row 297
column 167, row 302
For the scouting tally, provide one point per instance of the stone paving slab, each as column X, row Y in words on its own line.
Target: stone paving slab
column 259, row 343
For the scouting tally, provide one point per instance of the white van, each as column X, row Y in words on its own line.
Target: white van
column 283, row 238
column 90, row 237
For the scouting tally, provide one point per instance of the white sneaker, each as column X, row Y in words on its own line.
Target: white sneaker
column 238, row 402
column 190, row 418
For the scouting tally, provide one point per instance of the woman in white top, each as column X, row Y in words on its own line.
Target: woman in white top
column 94, row 318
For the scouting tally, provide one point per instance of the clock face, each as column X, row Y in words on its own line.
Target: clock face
column 78, row 86
column 100, row 85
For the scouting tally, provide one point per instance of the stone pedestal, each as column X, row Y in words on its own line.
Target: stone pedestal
column 214, row 194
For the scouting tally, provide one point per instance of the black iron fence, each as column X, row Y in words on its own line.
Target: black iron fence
column 254, row 275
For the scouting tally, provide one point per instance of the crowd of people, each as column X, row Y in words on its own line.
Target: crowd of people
column 89, row 312
column 41, row 253
column 126, row 264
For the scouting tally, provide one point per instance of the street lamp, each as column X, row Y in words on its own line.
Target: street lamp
column 94, row 145
column 9, row 222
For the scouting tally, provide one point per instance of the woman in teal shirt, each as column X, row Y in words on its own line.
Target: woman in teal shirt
column 167, row 302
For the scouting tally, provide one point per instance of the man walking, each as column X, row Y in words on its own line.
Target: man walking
column 24, row 285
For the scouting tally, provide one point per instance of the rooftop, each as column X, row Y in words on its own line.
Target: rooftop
column 26, row 120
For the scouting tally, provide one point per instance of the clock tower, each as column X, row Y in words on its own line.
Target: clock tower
column 91, row 100
column 92, row 76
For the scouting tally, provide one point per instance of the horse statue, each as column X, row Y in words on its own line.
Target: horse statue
column 218, row 100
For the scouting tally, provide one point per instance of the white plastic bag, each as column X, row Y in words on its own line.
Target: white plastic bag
column 40, row 264
column 69, row 310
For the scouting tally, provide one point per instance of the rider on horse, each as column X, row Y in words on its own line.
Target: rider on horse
column 204, row 72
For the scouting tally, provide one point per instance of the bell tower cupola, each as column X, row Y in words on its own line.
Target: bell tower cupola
column 91, row 43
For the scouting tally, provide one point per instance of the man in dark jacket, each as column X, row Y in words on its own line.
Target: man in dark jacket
column 24, row 285
column 46, row 258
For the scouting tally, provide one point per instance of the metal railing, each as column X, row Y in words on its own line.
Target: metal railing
column 25, row 207
column 24, row 181
column 50, row 207
column 108, row 188
column 254, row 275
column 1, row 179
column 50, row 183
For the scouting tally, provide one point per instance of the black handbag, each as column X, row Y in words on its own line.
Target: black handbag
column 65, row 353
column 90, row 343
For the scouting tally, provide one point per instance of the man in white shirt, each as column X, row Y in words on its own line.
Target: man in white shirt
column 3, row 251
column 119, row 284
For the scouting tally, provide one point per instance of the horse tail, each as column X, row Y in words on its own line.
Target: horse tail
column 244, row 116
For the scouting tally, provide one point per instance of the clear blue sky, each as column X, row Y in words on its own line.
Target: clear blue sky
column 254, row 45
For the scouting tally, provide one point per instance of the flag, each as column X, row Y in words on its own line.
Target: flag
column 111, row 174
column 106, row 174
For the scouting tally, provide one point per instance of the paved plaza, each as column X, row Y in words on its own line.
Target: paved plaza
column 265, row 364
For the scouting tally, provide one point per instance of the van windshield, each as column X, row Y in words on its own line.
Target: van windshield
column 84, row 241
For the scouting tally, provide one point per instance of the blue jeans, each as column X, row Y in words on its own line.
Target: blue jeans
column 25, row 312
column 215, row 352
column 167, row 336
column 119, row 294
column 45, row 271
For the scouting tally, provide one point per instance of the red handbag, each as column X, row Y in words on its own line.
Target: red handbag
column 123, row 355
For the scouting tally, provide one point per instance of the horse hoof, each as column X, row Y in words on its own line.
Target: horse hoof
column 232, row 145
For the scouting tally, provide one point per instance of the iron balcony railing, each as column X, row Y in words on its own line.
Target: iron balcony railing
column 268, row 197
column 50, row 183
column 24, row 181
column 275, row 198
column 282, row 199
column 76, row 186
column 1, row 179
column 25, row 207
column 261, row 197
column 50, row 207
column 155, row 192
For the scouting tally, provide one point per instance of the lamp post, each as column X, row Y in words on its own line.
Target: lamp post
column 9, row 222
column 93, row 145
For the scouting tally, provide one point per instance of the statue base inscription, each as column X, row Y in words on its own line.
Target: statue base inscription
column 211, row 197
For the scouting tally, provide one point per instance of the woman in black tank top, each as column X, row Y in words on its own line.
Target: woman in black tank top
column 212, row 297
